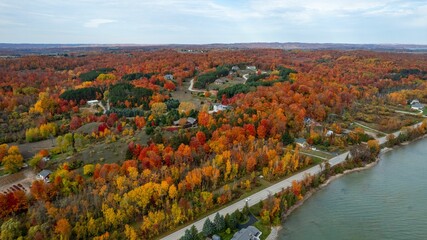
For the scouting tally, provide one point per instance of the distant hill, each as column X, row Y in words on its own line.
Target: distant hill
column 10, row 49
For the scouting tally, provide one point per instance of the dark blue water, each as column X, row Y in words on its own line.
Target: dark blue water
column 388, row 201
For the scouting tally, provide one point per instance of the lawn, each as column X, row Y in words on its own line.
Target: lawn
column 100, row 152
column 266, row 230
column 225, row 236
column 318, row 153
column 184, row 95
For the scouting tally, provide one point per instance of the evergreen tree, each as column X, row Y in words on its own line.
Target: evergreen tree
column 191, row 234
column 287, row 139
column 232, row 221
column 219, row 223
column 208, row 228
column 245, row 211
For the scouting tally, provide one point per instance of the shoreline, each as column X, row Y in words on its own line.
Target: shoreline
column 275, row 229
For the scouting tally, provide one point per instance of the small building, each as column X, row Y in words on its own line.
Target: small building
column 220, row 81
column 93, row 102
column 235, row 68
column 44, row 175
column 220, row 107
column 417, row 106
column 415, row 101
column 168, row 77
column 47, row 158
column 301, row 142
column 329, row 133
column 253, row 68
column 189, row 122
column 216, row 237
column 307, row 121
column 249, row 233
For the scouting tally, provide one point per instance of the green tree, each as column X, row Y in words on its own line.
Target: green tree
column 287, row 139
column 191, row 234
column 245, row 211
column 219, row 223
column 10, row 229
column 208, row 228
column 231, row 221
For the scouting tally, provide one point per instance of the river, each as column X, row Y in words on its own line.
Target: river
column 388, row 201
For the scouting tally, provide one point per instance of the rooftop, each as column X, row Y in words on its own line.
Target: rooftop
column 249, row 233
column 44, row 173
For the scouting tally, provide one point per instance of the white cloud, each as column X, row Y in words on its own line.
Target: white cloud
column 94, row 23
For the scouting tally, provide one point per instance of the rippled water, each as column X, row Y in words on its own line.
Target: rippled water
column 388, row 201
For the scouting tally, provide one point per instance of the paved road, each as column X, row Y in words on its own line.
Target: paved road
column 245, row 76
column 190, row 88
column 263, row 194
column 420, row 112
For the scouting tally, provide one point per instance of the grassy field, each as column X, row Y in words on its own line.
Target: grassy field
column 101, row 152
column 229, row 83
column 184, row 95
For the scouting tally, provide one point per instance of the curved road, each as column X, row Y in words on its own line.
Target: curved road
column 191, row 89
column 263, row 194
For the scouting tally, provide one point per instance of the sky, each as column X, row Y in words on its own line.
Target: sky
column 213, row 21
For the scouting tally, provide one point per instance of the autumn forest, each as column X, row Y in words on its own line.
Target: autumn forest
column 137, row 143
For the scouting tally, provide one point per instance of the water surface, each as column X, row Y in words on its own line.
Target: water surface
column 388, row 201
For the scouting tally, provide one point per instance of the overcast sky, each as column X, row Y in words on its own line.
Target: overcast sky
column 213, row 21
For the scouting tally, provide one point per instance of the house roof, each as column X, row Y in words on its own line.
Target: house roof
column 300, row 140
column 249, row 233
column 417, row 105
column 191, row 120
column 45, row 173
column 216, row 237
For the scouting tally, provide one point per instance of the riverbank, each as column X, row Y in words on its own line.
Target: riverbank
column 332, row 178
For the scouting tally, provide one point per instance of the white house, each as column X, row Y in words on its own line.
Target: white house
column 220, row 107
column 93, row 102
column 253, row 68
column 168, row 77
column 415, row 101
column 44, row 175
column 415, row 104
column 301, row 142
column 249, row 233
column 219, row 81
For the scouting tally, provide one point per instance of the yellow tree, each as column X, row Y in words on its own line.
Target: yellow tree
column 173, row 193
column 374, row 147
column 44, row 104
column 186, row 107
column 13, row 161
column 130, row 233
column 158, row 108
column 3, row 151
